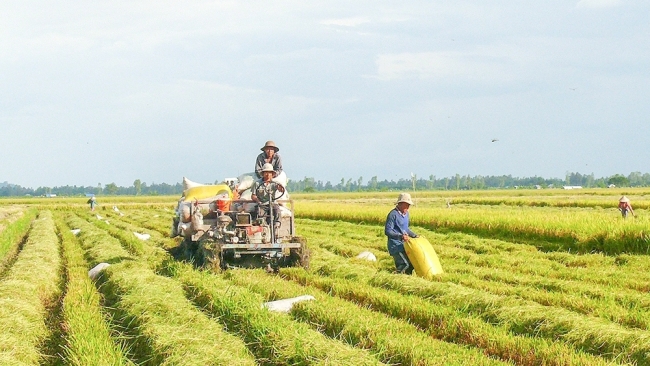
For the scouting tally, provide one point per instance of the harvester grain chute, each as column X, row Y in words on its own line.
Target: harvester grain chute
column 222, row 229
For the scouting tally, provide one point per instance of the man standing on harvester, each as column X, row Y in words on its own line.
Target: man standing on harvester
column 269, row 155
column 397, row 230
column 261, row 192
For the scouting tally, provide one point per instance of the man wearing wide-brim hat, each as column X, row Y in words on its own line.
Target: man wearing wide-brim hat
column 269, row 155
column 264, row 191
column 397, row 230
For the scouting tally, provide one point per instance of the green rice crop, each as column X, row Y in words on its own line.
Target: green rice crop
column 27, row 293
column 88, row 339
column 391, row 340
column 274, row 338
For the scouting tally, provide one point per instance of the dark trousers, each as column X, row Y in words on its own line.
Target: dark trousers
column 402, row 262
column 266, row 210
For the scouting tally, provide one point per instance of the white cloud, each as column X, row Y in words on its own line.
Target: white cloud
column 598, row 3
column 346, row 22
column 439, row 65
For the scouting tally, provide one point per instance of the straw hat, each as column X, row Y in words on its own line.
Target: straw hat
column 404, row 197
column 267, row 167
column 624, row 199
column 270, row 144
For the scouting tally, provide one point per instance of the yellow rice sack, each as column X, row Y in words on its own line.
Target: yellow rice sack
column 207, row 191
column 423, row 257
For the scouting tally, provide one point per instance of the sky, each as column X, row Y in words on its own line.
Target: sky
column 110, row 92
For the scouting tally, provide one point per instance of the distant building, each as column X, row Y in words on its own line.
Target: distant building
column 50, row 195
column 611, row 186
column 537, row 186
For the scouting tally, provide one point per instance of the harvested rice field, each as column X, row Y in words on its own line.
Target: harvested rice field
column 532, row 277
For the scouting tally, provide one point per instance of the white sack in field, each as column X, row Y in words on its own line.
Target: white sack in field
column 142, row 236
column 367, row 256
column 93, row 273
column 285, row 305
column 75, row 231
column 98, row 217
column 116, row 209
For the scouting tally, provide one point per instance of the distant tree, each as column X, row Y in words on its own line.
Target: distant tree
column 137, row 184
column 111, row 189
column 618, row 180
column 373, row 183
column 635, row 179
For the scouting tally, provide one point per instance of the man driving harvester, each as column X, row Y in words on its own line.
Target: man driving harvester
column 262, row 191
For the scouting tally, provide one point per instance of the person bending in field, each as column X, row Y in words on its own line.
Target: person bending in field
column 92, row 202
column 269, row 155
column 397, row 230
column 624, row 206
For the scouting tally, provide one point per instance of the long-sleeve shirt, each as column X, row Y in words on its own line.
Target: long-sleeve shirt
column 276, row 161
column 262, row 190
column 397, row 224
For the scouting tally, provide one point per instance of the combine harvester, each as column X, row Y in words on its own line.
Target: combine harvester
column 222, row 229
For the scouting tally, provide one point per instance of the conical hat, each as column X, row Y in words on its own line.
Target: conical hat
column 624, row 199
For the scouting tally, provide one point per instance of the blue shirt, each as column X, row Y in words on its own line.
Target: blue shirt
column 397, row 224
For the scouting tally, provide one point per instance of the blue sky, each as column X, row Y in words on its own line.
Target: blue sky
column 156, row 90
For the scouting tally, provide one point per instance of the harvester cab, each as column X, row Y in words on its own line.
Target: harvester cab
column 223, row 228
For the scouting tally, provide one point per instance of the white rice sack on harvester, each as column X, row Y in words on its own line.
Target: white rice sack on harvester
column 187, row 184
column 285, row 212
column 245, row 181
column 183, row 211
column 281, row 179
column 248, row 207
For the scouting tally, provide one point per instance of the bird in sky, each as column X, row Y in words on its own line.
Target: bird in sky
column 495, row 140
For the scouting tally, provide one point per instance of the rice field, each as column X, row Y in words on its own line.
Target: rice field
column 546, row 277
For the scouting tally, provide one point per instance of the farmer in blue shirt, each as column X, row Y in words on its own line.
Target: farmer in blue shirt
column 397, row 230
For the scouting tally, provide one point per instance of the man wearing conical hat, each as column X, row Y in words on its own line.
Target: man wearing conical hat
column 397, row 230
column 624, row 206
column 269, row 155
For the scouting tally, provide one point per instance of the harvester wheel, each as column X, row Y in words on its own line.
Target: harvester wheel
column 301, row 256
column 211, row 259
column 187, row 249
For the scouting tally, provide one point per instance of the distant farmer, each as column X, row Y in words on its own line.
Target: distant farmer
column 92, row 202
column 262, row 191
column 397, row 230
column 624, row 206
column 269, row 155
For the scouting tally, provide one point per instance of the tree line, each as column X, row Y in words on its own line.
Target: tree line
column 310, row 184
column 111, row 189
